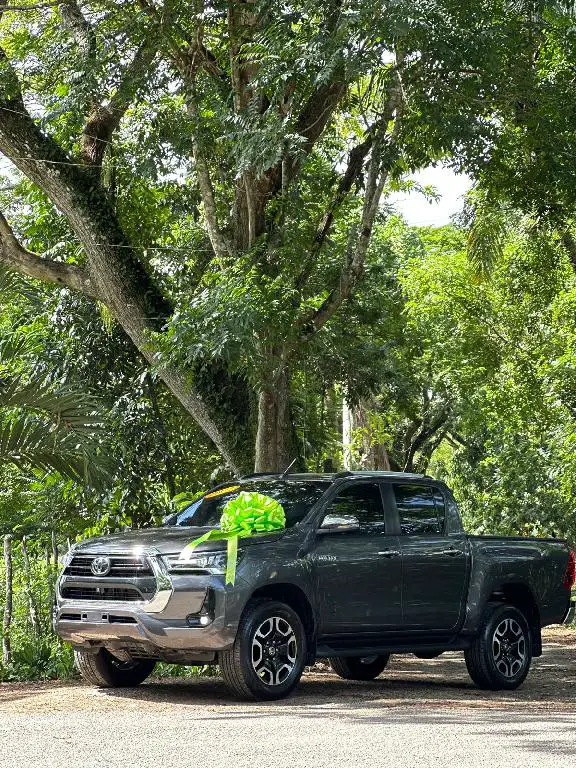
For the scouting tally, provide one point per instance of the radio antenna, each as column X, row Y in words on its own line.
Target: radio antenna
column 288, row 468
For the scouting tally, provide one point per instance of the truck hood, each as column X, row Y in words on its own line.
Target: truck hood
column 167, row 540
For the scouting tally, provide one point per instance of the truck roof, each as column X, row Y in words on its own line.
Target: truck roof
column 331, row 476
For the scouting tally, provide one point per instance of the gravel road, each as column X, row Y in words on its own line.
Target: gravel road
column 418, row 714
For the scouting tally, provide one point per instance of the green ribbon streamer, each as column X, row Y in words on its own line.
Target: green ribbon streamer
column 247, row 514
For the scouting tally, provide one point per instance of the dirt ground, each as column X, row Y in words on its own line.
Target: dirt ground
column 441, row 682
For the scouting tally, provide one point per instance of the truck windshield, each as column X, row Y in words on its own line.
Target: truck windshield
column 297, row 498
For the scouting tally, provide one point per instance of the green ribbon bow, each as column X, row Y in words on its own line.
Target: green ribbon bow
column 245, row 515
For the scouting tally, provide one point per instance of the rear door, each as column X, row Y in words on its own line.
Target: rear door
column 358, row 570
column 435, row 563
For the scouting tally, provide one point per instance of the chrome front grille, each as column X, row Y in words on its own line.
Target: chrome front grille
column 117, row 577
column 121, row 566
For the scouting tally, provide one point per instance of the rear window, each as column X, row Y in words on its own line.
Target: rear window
column 297, row 499
column 417, row 511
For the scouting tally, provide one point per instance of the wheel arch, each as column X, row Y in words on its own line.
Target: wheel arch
column 521, row 596
column 295, row 597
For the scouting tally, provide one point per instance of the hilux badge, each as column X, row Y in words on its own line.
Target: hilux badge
column 100, row 566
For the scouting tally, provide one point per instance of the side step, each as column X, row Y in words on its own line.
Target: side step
column 343, row 647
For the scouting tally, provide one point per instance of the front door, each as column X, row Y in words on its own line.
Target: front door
column 358, row 569
column 435, row 564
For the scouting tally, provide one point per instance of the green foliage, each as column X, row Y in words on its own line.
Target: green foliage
column 486, row 236
column 36, row 652
column 455, row 351
column 498, row 350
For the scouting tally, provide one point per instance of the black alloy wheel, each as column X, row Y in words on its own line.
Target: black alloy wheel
column 500, row 657
column 359, row 667
column 269, row 653
column 274, row 650
column 107, row 671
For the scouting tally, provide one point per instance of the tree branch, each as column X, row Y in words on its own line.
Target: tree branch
column 234, row 50
column 20, row 259
column 318, row 110
column 73, row 190
column 355, row 164
column 104, row 120
column 427, row 431
column 220, row 244
column 187, row 59
column 80, row 29
column 377, row 176
column 310, row 124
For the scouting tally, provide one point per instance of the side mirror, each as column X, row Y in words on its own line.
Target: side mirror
column 170, row 519
column 339, row 524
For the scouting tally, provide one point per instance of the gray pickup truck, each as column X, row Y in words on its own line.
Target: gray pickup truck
column 369, row 564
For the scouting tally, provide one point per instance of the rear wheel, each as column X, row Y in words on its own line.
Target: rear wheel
column 268, row 655
column 500, row 657
column 359, row 667
column 106, row 671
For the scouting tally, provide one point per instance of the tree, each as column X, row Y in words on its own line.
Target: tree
column 528, row 167
column 44, row 428
column 499, row 351
column 274, row 131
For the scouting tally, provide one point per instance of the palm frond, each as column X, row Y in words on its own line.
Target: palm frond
column 16, row 346
column 28, row 443
column 486, row 235
column 68, row 409
column 12, row 283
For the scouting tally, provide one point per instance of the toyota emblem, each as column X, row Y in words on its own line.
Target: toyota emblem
column 100, row 566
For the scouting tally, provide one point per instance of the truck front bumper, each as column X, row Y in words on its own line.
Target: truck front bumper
column 190, row 617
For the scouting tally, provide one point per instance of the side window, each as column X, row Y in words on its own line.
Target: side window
column 363, row 502
column 416, row 509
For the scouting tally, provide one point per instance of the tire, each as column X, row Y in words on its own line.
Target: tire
column 269, row 653
column 359, row 667
column 500, row 657
column 106, row 671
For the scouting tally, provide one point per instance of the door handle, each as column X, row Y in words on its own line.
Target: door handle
column 390, row 553
column 452, row 552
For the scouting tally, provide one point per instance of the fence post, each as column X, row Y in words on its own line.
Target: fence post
column 55, row 550
column 6, row 651
column 32, row 608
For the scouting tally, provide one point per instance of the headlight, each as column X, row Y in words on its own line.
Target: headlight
column 213, row 562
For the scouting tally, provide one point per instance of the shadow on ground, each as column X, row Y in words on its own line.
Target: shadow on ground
column 441, row 684
column 407, row 681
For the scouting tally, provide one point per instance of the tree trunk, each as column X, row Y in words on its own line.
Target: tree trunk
column 6, row 650
column 347, row 428
column 116, row 275
column 55, row 553
column 273, row 439
column 32, row 608
column 374, row 452
column 380, row 457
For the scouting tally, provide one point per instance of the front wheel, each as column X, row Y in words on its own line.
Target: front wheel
column 359, row 667
column 106, row 671
column 268, row 655
column 500, row 657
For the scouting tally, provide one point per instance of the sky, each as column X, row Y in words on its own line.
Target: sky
column 417, row 210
